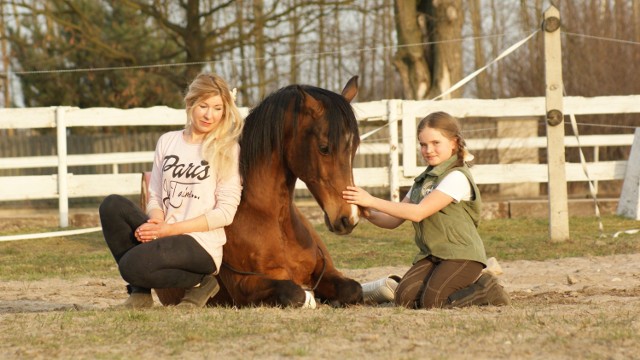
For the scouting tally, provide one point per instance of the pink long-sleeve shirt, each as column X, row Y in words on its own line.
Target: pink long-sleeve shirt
column 184, row 186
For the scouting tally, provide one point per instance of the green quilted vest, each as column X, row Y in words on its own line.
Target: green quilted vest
column 451, row 233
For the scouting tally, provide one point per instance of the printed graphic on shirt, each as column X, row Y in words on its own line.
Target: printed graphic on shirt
column 182, row 180
column 427, row 187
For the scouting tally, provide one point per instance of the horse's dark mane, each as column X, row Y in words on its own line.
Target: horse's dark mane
column 264, row 126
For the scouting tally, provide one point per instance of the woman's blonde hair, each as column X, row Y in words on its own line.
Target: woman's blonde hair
column 218, row 145
column 450, row 127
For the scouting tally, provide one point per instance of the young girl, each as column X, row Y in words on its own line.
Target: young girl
column 194, row 192
column 444, row 206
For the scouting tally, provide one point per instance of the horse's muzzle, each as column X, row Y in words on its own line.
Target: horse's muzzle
column 341, row 226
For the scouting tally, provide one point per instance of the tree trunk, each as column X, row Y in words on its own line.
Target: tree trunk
column 320, row 74
column 362, row 60
column 446, row 58
column 636, row 19
column 5, row 59
column 483, row 82
column 388, row 83
column 193, row 40
column 259, row 43
column 498, row 28
column 293, row 43
column 243, row 91
column 409, row 58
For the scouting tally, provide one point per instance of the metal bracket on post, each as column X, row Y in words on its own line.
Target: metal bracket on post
column 551, row 24
column 554, row 117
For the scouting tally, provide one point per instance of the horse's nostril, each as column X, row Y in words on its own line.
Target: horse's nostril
column 345, row 222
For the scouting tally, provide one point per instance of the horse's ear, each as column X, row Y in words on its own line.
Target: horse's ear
column 311, row 103
column 351, row 89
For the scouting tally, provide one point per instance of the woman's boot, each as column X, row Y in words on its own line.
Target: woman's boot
column 197, row 296
column 139, row 298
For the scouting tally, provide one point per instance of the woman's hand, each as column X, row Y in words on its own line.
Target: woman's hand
column 358, row 196
column 151, row 230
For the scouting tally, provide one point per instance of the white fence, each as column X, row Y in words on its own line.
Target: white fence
column 64, row 185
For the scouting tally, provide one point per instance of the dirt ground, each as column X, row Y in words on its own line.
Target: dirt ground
column 561, row 309
column 590, row 280
column 558, row 310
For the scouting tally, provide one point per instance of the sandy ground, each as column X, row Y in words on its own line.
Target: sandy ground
column 571, row 280
column 561, row 309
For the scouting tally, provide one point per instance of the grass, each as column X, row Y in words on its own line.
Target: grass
column 505, row 239
column 367, row 246
column 60, row 257
column 320, row 334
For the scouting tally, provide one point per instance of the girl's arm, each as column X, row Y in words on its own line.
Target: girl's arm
column 383, row 220
column 432, row 203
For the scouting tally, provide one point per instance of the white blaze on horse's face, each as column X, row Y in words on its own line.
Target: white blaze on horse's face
column 355, row 213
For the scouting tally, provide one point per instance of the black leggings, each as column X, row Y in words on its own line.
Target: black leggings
column 170, row 262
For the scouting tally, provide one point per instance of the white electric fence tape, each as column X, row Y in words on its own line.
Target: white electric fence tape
column 49, row 234
column 583, row 162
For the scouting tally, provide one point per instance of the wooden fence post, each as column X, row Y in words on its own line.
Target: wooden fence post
column 394, row 157
column 629, row 204
column 63, row 192
column 558, row 205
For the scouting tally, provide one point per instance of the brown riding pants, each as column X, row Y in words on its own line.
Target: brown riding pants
column 430, row 281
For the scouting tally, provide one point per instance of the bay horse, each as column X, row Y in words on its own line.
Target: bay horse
column 273, row 254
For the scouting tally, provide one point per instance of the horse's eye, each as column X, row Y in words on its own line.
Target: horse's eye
column 324, row 149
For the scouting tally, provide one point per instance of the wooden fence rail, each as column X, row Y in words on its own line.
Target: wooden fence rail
column 391, row 115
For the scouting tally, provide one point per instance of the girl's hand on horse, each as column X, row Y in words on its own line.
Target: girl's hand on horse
column 358, row 196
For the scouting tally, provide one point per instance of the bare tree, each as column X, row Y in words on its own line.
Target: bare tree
column 259, row 45
column 387, row 23
column 293, row 43
column 427, row 71
column 409, row 59
column 5, row 57
column 636, row 19
column 188, row 30
column 483, row 84
column 444, row 27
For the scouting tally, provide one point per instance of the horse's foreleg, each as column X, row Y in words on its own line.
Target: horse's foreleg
column 338, row 290
column 283, row 293
column 334, row 288
column 261, row 290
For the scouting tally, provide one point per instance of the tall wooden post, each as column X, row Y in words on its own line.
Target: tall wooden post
column 63, row 187
column 394, row 157
column 558, row 207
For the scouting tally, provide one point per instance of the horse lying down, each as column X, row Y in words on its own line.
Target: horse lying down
column 273, row 255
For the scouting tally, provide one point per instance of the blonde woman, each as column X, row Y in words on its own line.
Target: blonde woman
column 194, row 192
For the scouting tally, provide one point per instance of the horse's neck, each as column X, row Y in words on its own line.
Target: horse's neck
column 269, row 189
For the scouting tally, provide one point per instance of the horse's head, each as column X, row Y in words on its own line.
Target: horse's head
column 319, row 149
